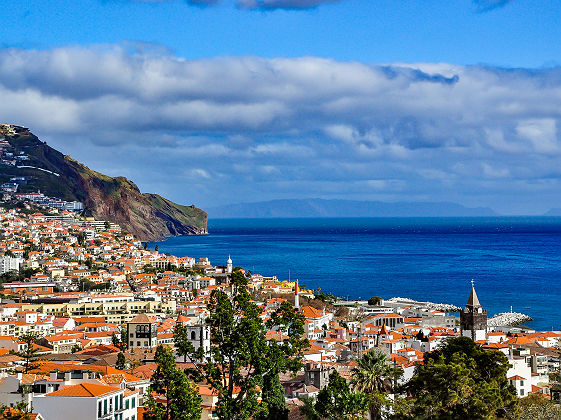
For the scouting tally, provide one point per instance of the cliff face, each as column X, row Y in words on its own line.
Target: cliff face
column 147, row 216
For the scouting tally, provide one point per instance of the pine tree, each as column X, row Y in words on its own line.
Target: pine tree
column 181, row 399
column 183, row 346
column 29, row 353
column 121, row 361
column 273, row 404
column 124, row 339
column 241, row 357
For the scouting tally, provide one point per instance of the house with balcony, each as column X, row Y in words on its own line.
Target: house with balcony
column 87, row 401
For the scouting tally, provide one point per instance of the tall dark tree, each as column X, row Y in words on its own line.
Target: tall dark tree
column 273, row 406
column 29, row 353
column 338, row 401
column 241, row 357
column 178, row 398
column 461, row 380
column 183, row 346
column 121, row 361
column 120, row 340
column 124, row 339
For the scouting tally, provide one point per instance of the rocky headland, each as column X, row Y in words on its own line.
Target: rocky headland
column 115, row 199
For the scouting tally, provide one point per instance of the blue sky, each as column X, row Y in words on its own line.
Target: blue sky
column 247, row 100
column 522, row 33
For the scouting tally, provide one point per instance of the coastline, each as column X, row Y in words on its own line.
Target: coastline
column 434, row 261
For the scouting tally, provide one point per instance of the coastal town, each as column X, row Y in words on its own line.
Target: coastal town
column 86, row 307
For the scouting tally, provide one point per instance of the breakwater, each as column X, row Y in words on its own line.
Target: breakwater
column 508, row 319
column 443, row 307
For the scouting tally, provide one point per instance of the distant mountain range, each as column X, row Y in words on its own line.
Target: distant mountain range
column 345, row 208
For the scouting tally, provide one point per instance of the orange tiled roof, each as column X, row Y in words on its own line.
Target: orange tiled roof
column 84, row 389
column 310, row 312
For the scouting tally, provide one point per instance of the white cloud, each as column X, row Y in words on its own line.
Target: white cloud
column 314, row 121
column 542, row 134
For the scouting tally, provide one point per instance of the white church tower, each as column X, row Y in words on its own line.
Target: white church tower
column 229, row 265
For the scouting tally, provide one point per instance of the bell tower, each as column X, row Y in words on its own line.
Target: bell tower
column 473, row 319
column 229, row 265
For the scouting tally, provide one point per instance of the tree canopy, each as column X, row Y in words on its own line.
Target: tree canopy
column 374, row 376
column 536, row 406
column 339, row 401
column 375, row 300
column 177, row 397
column 461, row 380
column 242, row 365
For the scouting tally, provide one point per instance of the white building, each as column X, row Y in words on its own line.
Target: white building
column 9, row 263
column 87, row 401
column 520, row 374
column 198, row 334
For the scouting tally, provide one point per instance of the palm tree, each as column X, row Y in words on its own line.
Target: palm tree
column 373, row 376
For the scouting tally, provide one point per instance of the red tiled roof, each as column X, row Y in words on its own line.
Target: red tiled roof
column 84, row 389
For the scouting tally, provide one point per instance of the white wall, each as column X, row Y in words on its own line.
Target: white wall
column 67, row 408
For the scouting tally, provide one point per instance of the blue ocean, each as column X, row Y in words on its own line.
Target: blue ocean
column 514, row 261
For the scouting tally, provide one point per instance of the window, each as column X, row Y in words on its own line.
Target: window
column 133, row 402
column 104, row 407
column 193, row 335
column 521, row 392
column 99, row 411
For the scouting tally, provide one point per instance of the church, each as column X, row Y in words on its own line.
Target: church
column 473, row 319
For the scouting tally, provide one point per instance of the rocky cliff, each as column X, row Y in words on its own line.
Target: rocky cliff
column 116, row 199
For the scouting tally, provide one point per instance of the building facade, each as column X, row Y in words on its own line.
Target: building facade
column 142, row 332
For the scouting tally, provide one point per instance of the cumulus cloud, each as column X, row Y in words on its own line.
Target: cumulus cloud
column 251, row 127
